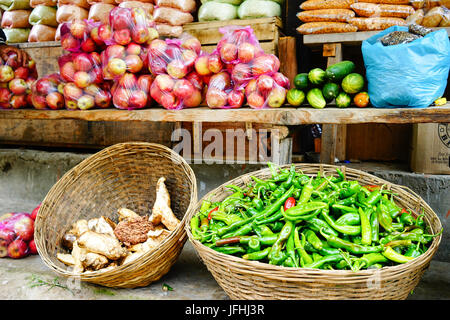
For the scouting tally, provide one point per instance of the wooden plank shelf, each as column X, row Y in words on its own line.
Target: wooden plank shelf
column 281, row 116
column 345, row 38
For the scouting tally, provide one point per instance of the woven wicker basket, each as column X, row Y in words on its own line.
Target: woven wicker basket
column 242, row 279
column 123, row 175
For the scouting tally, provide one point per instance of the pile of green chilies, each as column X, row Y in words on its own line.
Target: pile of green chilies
column 322, row 222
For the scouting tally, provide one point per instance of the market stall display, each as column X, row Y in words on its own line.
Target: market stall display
column 150, row 199
column 322, row 238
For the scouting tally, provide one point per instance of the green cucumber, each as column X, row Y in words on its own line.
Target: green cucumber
column 330, row 91
column 316, row 76
column 338, row 71
column 301, row 81
column 316, row 99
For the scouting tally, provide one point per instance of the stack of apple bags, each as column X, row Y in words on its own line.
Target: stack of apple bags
column 17, row 234
column 103, row 59
column 238, row 68
column 16, row 82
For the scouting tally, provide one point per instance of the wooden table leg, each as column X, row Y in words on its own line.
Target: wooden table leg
column 333, row 136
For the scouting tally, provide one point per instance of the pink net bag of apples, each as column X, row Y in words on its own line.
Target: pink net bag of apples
column 17, row 234
column 15, row 82
column 246, row 71
column 81, row 36
column 177, row 85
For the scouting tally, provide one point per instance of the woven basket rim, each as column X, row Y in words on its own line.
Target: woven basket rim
column 176, row 235
column 271, row 271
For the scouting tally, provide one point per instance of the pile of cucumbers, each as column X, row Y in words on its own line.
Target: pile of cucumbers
column 320, row 87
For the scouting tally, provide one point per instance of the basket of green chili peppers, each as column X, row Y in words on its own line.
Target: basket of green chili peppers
column 314, row 231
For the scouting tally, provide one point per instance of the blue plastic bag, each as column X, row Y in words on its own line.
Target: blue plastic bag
column 406, row 75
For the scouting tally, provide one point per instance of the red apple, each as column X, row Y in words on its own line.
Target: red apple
column 122, row 37
column 12, row 60
column 24, row 228
column 7, row 236
column 18, row 102
column 156, row 93
column 82, row 79
column 241, row 73
column 78, row 29
column 169, row 101
column 6, row 73
column 177, row 69
column 235, row 98
column 140, row 34
column 138, row 99
column 45, row 86
column 134, row 63
column 96, row 59
column 38, row 102
column 55, row 100
column 214, row 63
column 201, row 65
column 5, row 95
column 216, row 98
column 144, row 82
column 128, row 81
column 281, row 80
column 164, row 82
column 17, row 249
column 246, row 52
column 21, row 73
column 183, row 89
column 196, row 80
column 88, row 45
column 220, row 81
column 96, row 75
column 266, row 63
column 228, row 52
column 194, row 100
column 35, row 212
column 192, row 43
column 115, row 51
column 69, row 42
column 83, row 62
column 133, row 48
column 265, row 83
column 189, row 57
column 3, row 250
column 32, row 247
column 152, row 34
column 255, row 100
column 157, row 47
column 72, row 92
column 120, row 98
column 96, row 37
column 67, row 71
column 103, row 99
column 120, row 18
column 104, row 32
column 17, row 86
column 117, row 66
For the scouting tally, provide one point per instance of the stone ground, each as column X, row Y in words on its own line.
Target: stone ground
column 27, row 175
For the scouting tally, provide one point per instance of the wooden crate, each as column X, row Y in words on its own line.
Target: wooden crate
column 267, row 31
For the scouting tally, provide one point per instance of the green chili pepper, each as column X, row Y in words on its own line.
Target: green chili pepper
column 345, row 229
column 374, row 227
column 331, row 258
column 242, row 231
column 290, row 178
column 350, row 218
column 407, row 219
column 275, row 217
column 276, row 226
column 306, row 192
column 398, row 243
column 413, row 251
column 258, row 204
column 312, row 238
column 275, row 255
column 325, row 251
column 316, row 224
column 259, row 255
column 373, row 198
column 391, row 207
column 395, row 256
column 195, row 227
column 290, row 249
column 384, row 218
column 229, row 250
column 227, row 218
column 299, row 212
column 341, row 174
column 289, row 262
column 254, row 244
column 351, row 247
column 262, row 230
column 344, row 209
column 369, row 259
column 347, row 201
column 366, row 232
column 299, row 245
column 276, row 205
column 352, row 188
